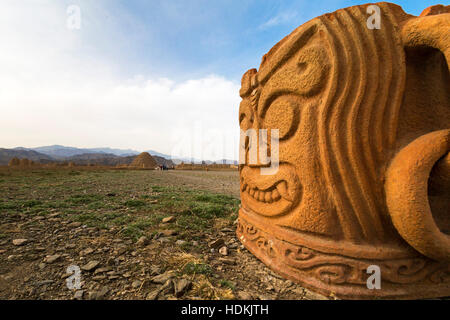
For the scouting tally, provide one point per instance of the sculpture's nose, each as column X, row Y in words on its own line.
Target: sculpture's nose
column 257, row 149
column 259, row 146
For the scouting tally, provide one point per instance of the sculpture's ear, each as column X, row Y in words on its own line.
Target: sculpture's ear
column 418, row 179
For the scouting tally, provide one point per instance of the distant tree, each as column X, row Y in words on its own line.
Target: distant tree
column 14, row 162
column 24, row 162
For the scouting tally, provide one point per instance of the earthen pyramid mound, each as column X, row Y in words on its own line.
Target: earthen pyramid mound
column 145, row 161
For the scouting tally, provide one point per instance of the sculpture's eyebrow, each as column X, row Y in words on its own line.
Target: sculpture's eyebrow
column 246, row 82
column 274, row 59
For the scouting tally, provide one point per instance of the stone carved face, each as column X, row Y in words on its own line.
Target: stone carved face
column 286, row 97
column 345, row 100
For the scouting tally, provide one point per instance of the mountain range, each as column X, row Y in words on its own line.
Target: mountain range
column 104, row 156
column 8, row 154
column 62, row 152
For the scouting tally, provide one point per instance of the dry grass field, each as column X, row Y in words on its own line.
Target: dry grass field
column 134, row 234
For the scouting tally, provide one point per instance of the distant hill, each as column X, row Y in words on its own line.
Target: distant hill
column 103, row 156
column 61, row 152
column 163, row 161
column 117, row 152
column 91, row 156
column 176, row 160
column 8, row 154
column 227, row 161
column 105, row 159
column 102, row 159
column 156, row 153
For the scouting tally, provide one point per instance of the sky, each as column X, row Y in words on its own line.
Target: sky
column 138, row 74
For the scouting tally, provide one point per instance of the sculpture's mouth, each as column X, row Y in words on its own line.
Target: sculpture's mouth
column 270, row 195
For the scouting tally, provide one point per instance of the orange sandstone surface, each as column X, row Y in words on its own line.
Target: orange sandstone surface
column 363, row 116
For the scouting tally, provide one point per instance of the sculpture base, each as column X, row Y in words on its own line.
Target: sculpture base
column 337, row 268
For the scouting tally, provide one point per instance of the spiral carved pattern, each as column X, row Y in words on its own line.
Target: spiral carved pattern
column 341, row 271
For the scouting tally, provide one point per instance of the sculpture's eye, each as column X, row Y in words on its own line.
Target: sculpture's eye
column 282, row 114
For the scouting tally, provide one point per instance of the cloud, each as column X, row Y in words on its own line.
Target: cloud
column 58, row 88
column 279, row 19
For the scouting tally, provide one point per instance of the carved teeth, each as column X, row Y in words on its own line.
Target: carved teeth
column 267, row 196
column 275, row 195
column 262, row 196
column 282, row 189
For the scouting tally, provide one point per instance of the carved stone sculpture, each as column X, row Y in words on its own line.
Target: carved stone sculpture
column 363, row 119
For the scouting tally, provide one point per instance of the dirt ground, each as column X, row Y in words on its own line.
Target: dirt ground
column 128, row 234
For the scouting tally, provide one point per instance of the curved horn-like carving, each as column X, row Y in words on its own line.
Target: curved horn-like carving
column 407, row 197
